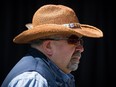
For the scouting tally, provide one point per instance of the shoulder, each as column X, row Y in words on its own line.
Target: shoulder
column 29, row 79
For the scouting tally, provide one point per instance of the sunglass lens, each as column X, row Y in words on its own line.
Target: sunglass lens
column 74, row 40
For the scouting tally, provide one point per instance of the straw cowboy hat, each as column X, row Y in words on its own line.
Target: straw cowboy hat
column 55, row 19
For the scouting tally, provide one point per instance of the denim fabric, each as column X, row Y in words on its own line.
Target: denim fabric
column 29, row 79
column 36, row 61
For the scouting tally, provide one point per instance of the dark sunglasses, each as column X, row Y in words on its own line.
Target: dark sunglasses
column 73, row 39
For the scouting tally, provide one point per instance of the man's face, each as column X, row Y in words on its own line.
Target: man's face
column 66, row 56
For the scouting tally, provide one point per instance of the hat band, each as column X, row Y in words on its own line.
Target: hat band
column 70, row 25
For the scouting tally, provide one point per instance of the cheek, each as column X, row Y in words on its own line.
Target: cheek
column 63, row 53
column 66, row 53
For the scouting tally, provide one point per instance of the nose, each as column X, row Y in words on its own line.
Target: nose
column 79, row 47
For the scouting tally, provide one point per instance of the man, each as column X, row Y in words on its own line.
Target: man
column 55, row 36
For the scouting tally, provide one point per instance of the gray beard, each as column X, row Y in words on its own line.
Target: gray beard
column 72, row 66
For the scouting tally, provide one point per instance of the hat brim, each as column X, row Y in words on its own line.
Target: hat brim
column 53, row 29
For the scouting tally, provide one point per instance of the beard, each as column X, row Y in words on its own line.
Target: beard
column 73, row 66
column 74, row 62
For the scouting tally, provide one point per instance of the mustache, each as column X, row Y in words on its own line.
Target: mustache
column 77, row 53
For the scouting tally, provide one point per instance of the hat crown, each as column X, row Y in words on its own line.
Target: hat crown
column 54, row 14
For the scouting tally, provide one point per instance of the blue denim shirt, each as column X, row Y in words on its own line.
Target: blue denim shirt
column 35, row 79
column 28, row 79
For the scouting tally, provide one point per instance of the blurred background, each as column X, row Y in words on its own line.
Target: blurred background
column 97, row 66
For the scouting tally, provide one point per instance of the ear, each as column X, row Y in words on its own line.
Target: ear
column 47, row 48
